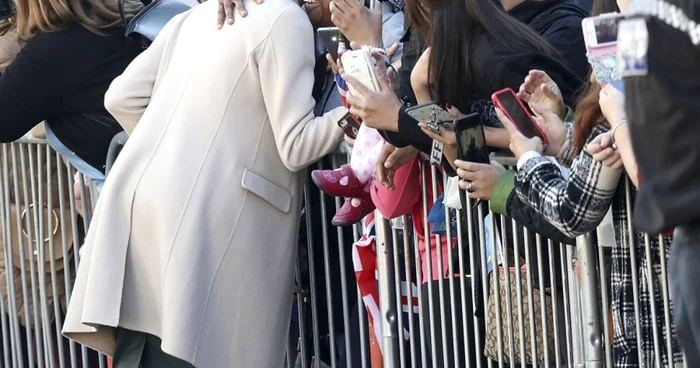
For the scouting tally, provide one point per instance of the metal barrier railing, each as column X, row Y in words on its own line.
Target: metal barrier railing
column 569, row 324
column 561, row 299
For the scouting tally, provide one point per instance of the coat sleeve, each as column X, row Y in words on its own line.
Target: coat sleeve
column 129, row 94
column 286, row 67
column 575, row 206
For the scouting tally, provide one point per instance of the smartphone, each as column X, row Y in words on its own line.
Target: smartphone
column 471, row 144
column 430, row 112
column 515, row 110
column 360, row 64
column 471, row 141
column 329, row 36
column 350, row 124
column 601, row 31
column 7, row 9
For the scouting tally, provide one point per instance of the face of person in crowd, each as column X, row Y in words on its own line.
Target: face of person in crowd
column 319, row 12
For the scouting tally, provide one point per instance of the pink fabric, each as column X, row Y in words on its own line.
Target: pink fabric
column 407, row 198
column 365, row 153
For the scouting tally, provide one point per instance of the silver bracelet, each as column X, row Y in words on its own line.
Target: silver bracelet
column 613, row 130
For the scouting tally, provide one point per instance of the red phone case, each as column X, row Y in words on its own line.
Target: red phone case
column 496, row 101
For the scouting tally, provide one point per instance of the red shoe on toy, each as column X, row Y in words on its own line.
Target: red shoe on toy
column 341, row 182
column 353, row 210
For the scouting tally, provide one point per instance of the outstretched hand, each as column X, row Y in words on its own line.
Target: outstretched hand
column 225, row 13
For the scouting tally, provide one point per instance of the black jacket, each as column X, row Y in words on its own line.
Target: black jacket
column 62, row 77
column 559, row 22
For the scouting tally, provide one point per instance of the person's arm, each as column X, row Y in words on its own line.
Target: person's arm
column 527, row 216
column 30, row 88
column 130, row 93
column 575, row 206
column 286, row 64
column 502, row 191
column 624, row 146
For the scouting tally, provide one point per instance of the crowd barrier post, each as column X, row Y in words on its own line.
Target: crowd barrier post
column 387, row 292
column 590, row 311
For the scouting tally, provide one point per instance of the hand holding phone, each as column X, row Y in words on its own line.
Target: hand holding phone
column 515, row 110
column 360, row 65
column 431, row 113
column 471, row 143
column 600, row 36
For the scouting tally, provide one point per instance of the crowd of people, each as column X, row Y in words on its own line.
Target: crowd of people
column 190, row 256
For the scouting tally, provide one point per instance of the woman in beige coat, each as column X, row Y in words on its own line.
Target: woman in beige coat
column 193, row 239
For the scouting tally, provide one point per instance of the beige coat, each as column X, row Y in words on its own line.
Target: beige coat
column 194, row 235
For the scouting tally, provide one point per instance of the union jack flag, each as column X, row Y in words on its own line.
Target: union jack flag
column 364, row 257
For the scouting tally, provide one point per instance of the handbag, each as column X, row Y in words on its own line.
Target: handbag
column 148, row 22
column 491, row 344
column 23, row 226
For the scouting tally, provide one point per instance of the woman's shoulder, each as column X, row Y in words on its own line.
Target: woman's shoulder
column 75, row 42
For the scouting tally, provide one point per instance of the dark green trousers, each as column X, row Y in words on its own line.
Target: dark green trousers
column 141, row 350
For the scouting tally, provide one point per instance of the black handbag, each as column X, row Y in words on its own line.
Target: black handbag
column 148, row 23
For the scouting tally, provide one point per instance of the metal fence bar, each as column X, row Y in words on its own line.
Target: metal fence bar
column 666, row 298
column 583, row 304
column 387, row 284
column 591, row 320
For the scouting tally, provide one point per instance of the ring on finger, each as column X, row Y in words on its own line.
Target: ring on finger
column 469, row 186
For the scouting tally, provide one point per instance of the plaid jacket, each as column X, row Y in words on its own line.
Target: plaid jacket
column 577, row 207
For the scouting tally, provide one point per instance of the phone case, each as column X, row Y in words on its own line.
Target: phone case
column 473, row 146
column 604, row 65
column 329, row 36
column 350, row 125
column 360, row 64
column 429, row 112
column 589, row 33
column 496, row 101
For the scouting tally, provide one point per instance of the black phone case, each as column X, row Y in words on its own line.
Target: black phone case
column 471, row 153
column 350, row 125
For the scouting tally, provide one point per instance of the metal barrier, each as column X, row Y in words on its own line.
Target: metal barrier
column 570, row 321
column 563, row 291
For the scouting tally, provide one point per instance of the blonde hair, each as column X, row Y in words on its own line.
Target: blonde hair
column 35, row 16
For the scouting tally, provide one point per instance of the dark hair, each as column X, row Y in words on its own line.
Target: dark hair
column 418, row 17
column 454, row 26
column 604, row 6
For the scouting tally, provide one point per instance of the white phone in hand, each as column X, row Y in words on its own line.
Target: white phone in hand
column 360, row 64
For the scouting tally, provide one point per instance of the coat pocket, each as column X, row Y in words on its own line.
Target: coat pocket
column 266, row 189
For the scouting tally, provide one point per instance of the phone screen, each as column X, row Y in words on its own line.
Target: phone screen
column 521, row 117
column 6, row 9
column 606, row 29
column 471, row 140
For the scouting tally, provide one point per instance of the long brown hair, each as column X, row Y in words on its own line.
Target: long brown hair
column 418, row 17
column 35, row 16
column 587, row 115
